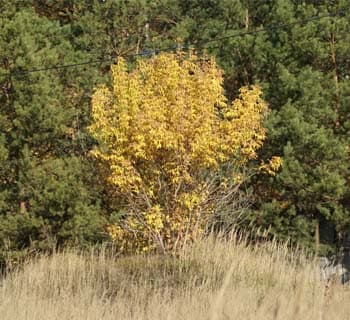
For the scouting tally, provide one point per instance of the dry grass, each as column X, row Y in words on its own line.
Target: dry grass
column 216, row 279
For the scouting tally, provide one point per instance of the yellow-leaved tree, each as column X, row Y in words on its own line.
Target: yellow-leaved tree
column 165, row 131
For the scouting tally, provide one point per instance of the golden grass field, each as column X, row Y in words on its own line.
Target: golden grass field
column 215, row 279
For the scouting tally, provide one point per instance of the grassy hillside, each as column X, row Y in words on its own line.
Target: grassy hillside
column 216, row 279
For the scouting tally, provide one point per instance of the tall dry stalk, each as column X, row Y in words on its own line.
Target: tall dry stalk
column 214, row 279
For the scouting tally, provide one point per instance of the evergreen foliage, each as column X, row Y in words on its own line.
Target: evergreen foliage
column 46, row 188
column 49, row 191
column 302, row 68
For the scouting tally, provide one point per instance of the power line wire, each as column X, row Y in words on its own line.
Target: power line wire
column 66, row 66
column 199, row 45
column 278, row 26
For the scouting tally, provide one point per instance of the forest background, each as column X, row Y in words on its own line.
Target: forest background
column 296, row 51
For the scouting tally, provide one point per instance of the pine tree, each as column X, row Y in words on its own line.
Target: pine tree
column 302, row 69
column 48, row 194
column 308, row 129
column 46, row 197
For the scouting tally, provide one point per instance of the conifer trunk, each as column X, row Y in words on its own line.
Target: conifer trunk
column 317, row 236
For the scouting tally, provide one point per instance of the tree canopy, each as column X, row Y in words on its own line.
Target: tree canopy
column 51, row 192
column 164, row 130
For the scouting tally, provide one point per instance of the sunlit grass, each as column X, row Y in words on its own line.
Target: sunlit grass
column 215, row 279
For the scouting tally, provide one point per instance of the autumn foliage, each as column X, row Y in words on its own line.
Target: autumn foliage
column 165, row 129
